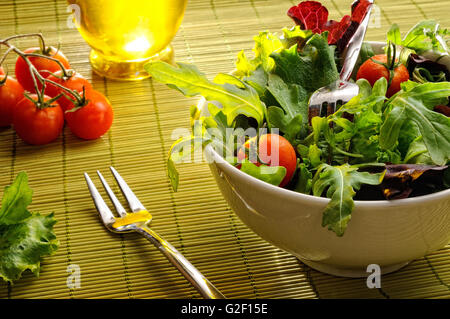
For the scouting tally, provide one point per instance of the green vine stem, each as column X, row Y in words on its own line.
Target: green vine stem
column 36, row 76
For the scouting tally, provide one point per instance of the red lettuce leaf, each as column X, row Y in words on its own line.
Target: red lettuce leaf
column 312, row 15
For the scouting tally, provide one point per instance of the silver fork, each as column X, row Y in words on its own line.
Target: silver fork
column 138, row 221
column 341, row 91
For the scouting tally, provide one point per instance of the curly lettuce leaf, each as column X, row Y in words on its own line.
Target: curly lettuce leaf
column 24, row 244
column 25, row 237
column 302, row 67
column 265, row 44
column 340, row 183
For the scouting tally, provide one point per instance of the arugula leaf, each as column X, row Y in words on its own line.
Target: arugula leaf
column 25, row 237
column 394, row 34
column 270, row 174
column 418, row 153
column 190, row 81
column 292, row 98
column 411, row 105
column 426, row 35
column 293, row 129
column 304, row 179
column 340, row 183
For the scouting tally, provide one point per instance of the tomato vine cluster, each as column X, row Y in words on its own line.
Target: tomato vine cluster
column 45, row 93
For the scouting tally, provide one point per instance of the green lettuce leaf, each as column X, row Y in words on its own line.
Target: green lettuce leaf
column 302, row 67
column 292, row 98
column 424, row 36
column 265, row 44
column 270, row 174
column 292, row 117
column 418, row 153
column 235, row 99
column 412, row 105
column 25, row 237
column 340, row 183
column 304, row 179
column 16, row 199
column 23, row 245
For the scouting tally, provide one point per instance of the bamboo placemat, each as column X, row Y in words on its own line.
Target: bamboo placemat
column 196, row 220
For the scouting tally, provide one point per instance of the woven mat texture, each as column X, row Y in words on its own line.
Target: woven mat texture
column 196, row 219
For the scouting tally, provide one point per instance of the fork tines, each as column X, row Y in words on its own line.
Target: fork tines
column 105, row 213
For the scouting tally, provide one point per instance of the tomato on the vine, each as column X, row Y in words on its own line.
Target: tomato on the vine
column 93, row 118
column 273, row 150
column 42, row 65
column 38, row 123
column 11, row 92
column 75, row 82
column 372, row 71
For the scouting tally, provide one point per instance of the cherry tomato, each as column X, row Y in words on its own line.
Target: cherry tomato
column 92, row 120
column 76, row 82
column 11, row 92
column 2, row 72
column 41, row 64
column 274, row 150
column 372, row 71
column 38, row 126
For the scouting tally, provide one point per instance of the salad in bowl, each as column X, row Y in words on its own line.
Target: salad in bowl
column 386, row 150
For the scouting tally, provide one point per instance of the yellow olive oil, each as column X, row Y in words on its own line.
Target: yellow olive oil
column 127, row 31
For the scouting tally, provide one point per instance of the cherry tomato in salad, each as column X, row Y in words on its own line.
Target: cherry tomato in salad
column 11, row 92
column 43, row 65
column 92, row 120
column 372, row 71
column 38, row 125
column 75, row 82
column 273, row 150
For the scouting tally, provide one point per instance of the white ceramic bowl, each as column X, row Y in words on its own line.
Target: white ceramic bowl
column 387, row 233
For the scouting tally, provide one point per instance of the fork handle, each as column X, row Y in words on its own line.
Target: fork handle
column 204, row 287
column 354, row 46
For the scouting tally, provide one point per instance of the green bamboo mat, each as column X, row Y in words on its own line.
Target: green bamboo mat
column 196, row 220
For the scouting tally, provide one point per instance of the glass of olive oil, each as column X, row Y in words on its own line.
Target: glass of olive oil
column 126, row 34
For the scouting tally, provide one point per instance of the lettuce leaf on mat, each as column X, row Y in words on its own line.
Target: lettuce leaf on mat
column 25, row 237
